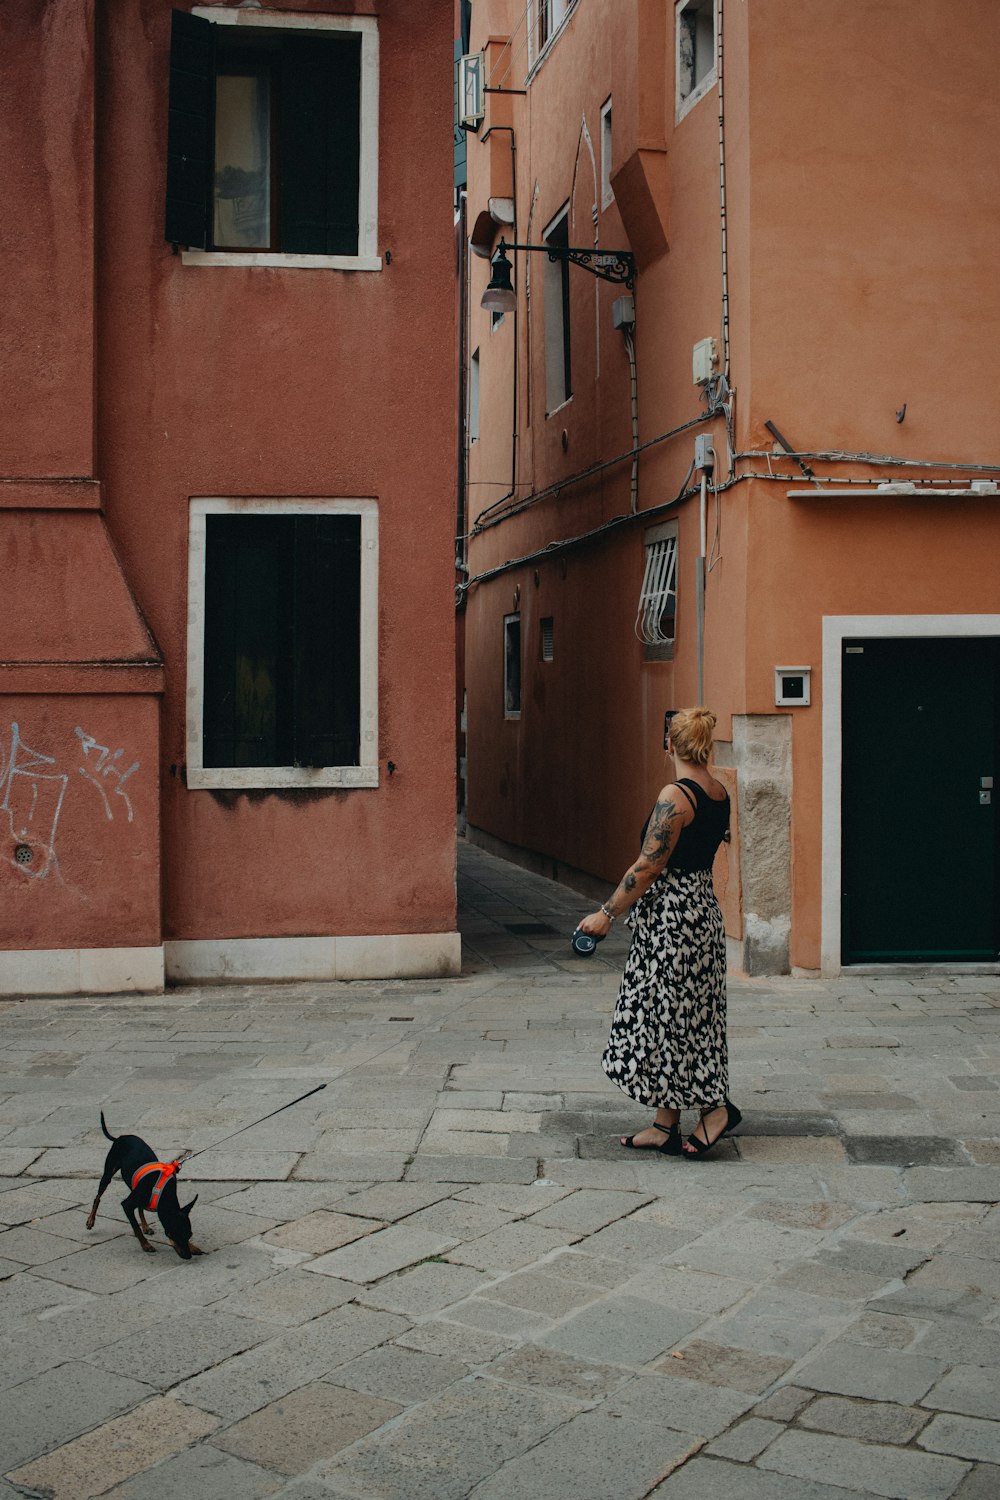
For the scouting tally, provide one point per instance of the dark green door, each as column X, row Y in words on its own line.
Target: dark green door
column 919, row 806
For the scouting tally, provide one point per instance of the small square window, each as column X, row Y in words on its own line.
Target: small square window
column 546, row 651
column 512, row 666
column 656, row 620
column 695, row 63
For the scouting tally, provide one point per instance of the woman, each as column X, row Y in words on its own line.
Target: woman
column 668, row 1039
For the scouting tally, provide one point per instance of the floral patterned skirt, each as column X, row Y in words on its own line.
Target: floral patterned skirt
column 668, row 1037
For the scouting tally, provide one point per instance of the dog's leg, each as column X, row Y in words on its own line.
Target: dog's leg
column 130, row 1204
column 110, row 1167
column 142, row 1222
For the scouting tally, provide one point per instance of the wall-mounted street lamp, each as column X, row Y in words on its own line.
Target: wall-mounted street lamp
column 609, row 265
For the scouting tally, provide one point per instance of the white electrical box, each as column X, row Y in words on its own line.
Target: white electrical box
column 623, row 311
column 704, row 360
column 791, row 687
column 704, row 453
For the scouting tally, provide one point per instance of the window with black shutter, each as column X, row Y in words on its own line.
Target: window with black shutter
column 265, row 138
column 282, row 642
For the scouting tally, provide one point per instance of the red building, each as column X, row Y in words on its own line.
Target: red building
column 226, row 515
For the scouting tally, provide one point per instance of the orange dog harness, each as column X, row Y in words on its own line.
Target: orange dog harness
column 166, row 1170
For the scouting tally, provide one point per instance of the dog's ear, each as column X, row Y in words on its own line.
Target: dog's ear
column 188, row 1207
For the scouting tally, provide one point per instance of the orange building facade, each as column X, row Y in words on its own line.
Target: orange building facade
column 226, row 676
column 764, row 477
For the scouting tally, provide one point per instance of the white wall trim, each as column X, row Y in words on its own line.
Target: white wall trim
column 81, row 971
column 367, row 258
column 415, row 955
column 837, row 629
column 281, row 262
column 366, row 773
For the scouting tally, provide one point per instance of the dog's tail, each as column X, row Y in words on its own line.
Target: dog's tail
column 104, row 1127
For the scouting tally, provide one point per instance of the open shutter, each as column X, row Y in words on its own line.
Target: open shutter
column 320, row 144
column 190, row 130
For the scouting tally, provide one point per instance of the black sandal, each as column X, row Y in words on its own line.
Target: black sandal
column 672, row 1146
column 702, row 1148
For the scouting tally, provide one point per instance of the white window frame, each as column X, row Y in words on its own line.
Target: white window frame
column 367, row 258
column 366, row 774
column 607, row 191
column 686, row 99
column 558, row 12
column 659, row 582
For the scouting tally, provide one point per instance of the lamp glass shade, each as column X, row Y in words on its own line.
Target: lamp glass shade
column 499, row 295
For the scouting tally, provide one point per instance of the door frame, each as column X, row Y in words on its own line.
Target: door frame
column 837, row 629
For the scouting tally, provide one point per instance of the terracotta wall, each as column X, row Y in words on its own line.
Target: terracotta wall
column 229, row 381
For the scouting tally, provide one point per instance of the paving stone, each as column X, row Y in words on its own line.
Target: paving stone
column 685, row 1405
column 465, row 1169
column 57, row 1405
column 966, row 1437
column 635, row 1240
column 587, row 1460
column 954, row 1340
column 806, row 1215
column 283, row 1201
column 380, row 1254
column 203, row 1473
column 824, row 1280
column 577, row 1380
column 295, row 1432
column 475, row 1347
column 956, row 1184
column 330, row 1167
column 102, row 1268
column 878, row 1375
column 390, row 1201
column 715, row 1364
column 746, row 1440
column 30, row 1247
column 196, row 1341
column 233, row 1388
column 460, row 1221
column 398, row 1374
column 758, row 1251
column 92, row 1464
column 499, row 1317
column 870, row 1467
column 591, row 1270
column 509, row 1248
column 703, row 1478
column 445, row 1447
column 784, row 1403
column 823, row 1150
column 321, row 1231
column 289, row 1298
column 955, row 1274
column 621, row 1330
column 874, row 1421
column 538, row 1292
column 588, row 1210
column 981, row 1483
column 883, row 1331
column 502, row 1121
column 520, row 1200
column 969, row 1389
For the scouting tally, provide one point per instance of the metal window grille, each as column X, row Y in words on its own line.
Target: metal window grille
column 656, row 620
column 547, row 651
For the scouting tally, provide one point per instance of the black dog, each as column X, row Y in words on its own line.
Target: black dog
column 153, row 1184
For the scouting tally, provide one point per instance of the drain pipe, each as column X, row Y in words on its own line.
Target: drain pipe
column 704, row 459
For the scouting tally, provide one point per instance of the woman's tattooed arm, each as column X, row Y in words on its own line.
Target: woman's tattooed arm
column 662, row 834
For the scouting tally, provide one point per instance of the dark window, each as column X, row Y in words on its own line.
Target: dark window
column 546, row 639
column 512, row 665
column 264, row 139
column 558, row 381
column 282, row 640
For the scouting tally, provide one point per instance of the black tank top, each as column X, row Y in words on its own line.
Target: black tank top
column 698, row 841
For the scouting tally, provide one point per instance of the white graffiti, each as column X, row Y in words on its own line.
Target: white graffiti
column 32, row 800
column 108, row 771
column 33, row 791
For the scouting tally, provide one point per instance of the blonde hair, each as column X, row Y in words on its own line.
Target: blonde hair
column 691, row 734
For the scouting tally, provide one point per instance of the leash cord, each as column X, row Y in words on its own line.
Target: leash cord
column 190, row 1155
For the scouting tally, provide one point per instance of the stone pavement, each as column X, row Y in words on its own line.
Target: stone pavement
column 442, row 1278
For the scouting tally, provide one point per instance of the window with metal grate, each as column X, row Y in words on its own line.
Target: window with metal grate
column 656, row 619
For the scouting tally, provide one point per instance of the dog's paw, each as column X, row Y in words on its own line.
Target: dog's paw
column 149, row 1249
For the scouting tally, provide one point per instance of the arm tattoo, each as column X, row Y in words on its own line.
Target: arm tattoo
column 629, row 882
column 659, row 837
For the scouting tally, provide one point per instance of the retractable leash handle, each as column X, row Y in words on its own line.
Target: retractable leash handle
column 584, row 943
